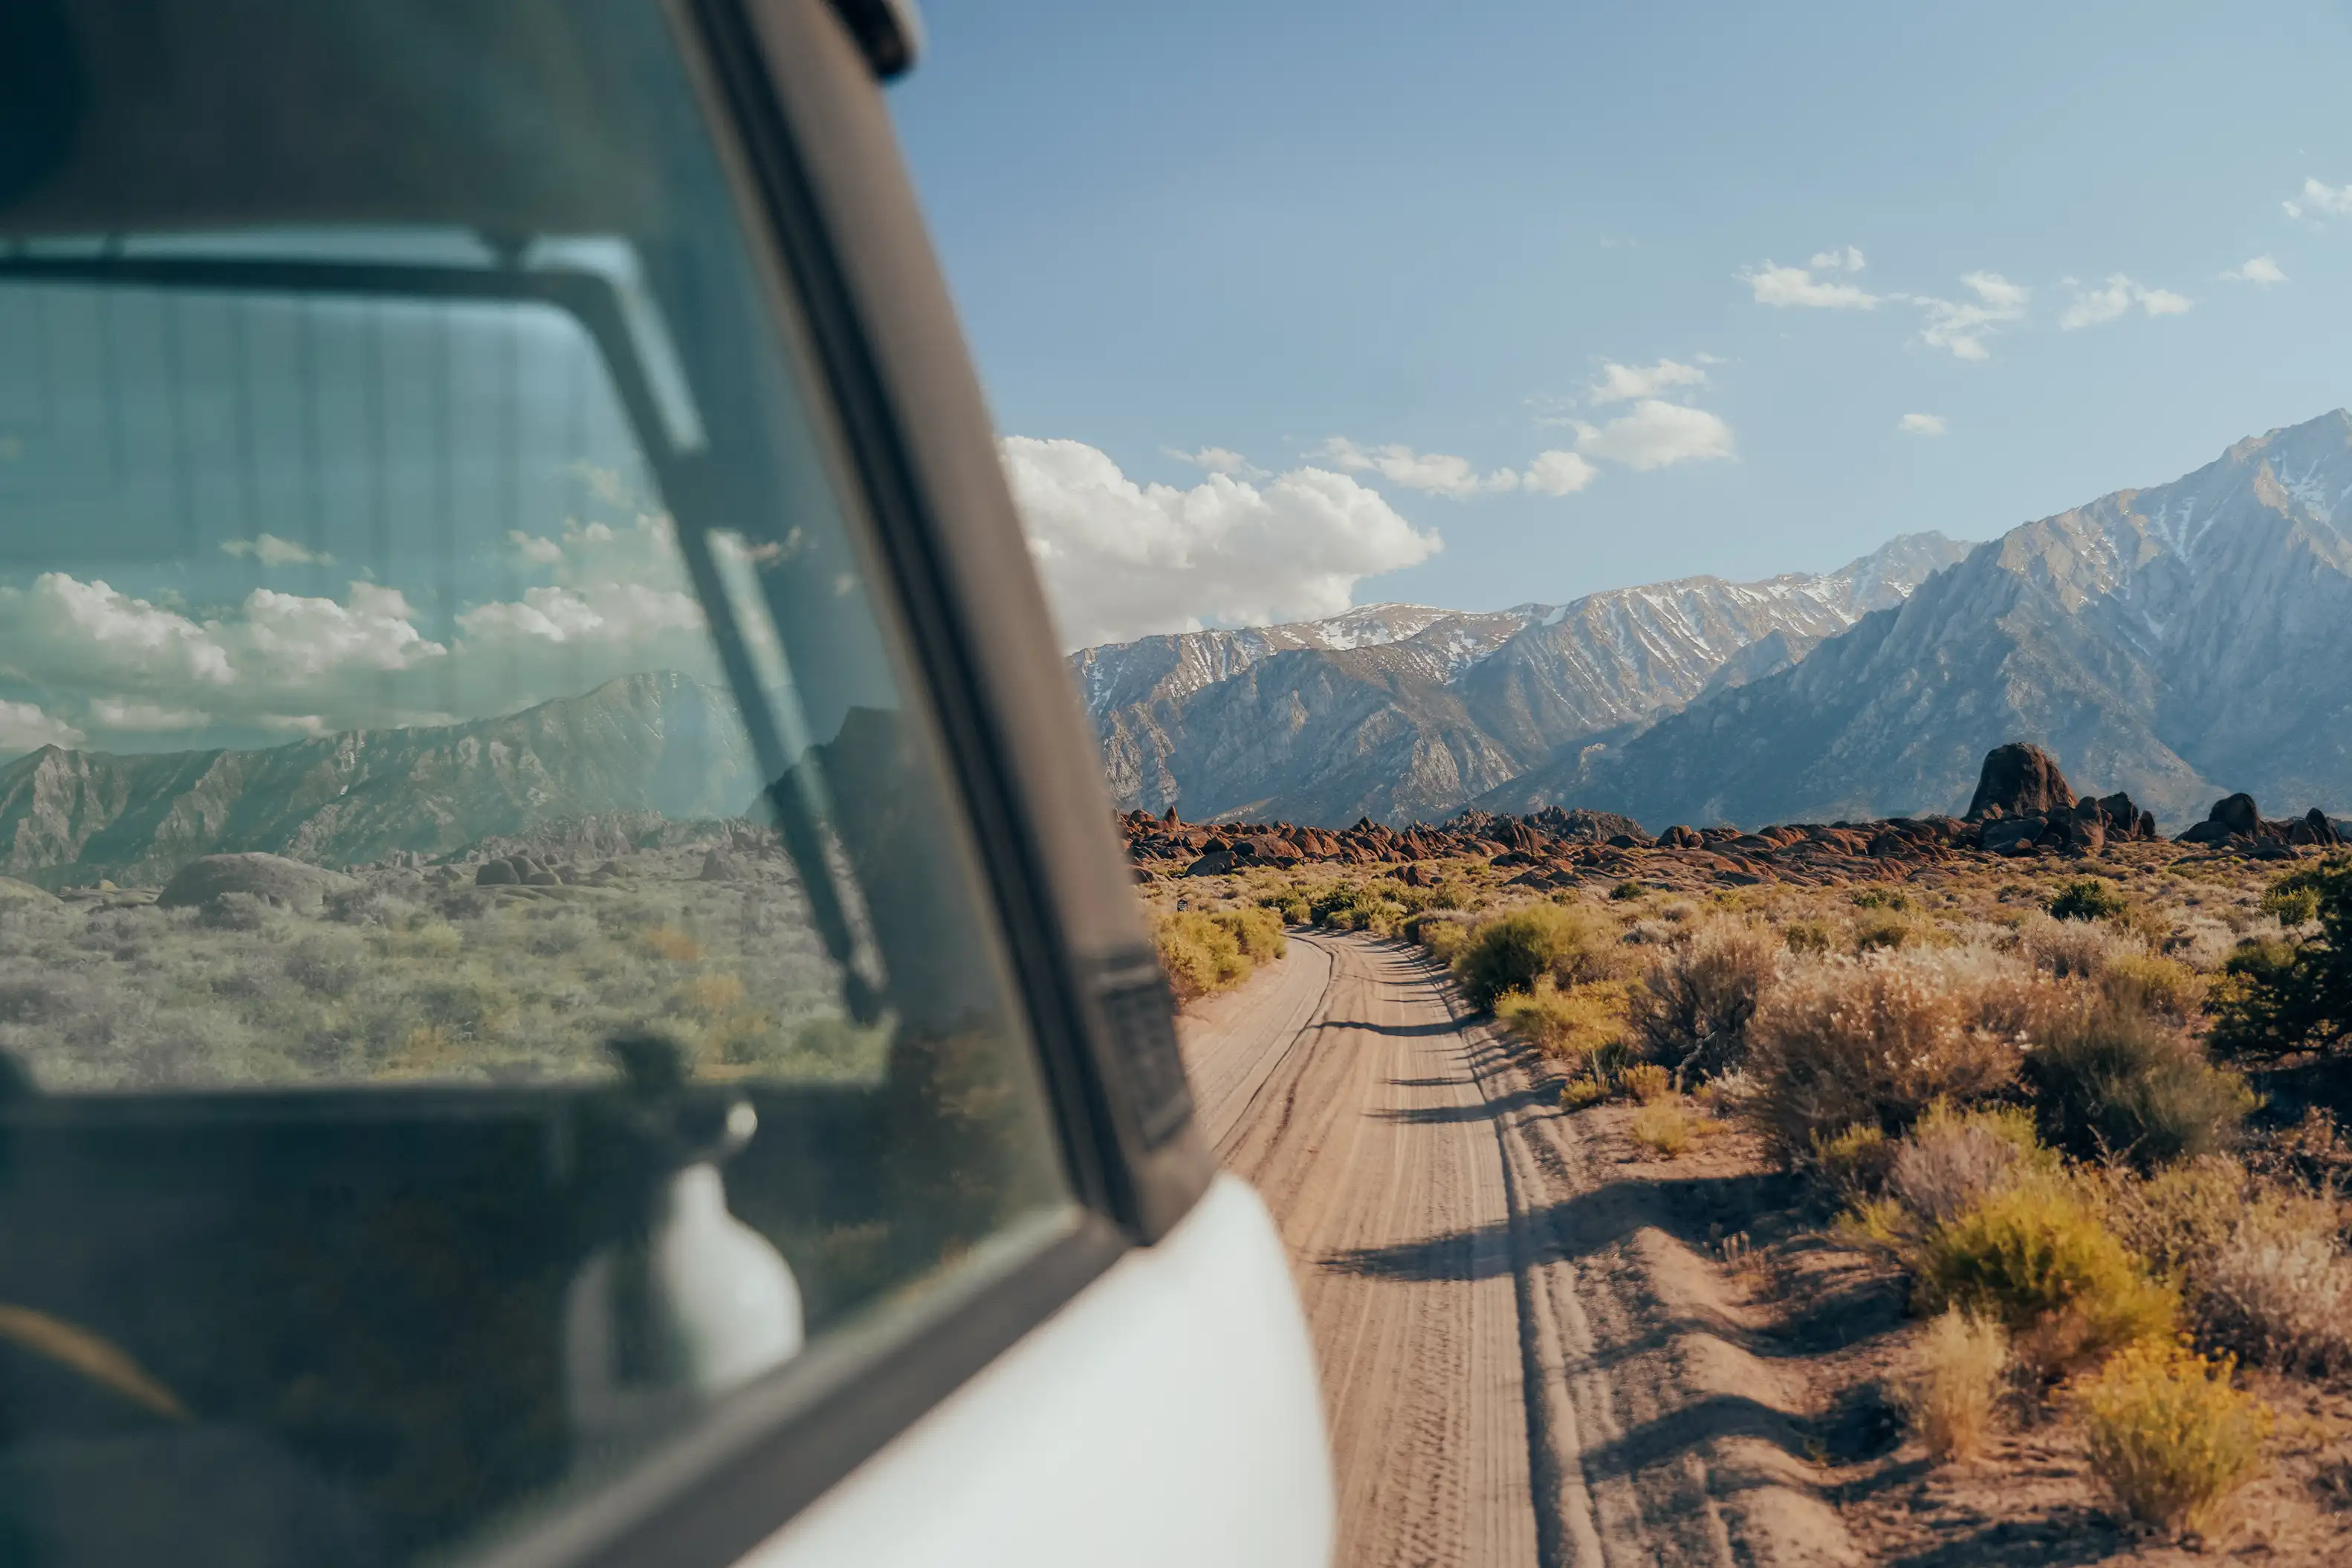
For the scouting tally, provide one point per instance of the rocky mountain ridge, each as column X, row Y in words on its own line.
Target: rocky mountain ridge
column 657, row 742
column 2164, row 638
column 1398, row 711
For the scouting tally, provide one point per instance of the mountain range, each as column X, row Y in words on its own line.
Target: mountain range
column 659, row 742
column 2180, row 641
column 1402, row 711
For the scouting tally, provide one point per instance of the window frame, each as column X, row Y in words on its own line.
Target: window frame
column 797, row 118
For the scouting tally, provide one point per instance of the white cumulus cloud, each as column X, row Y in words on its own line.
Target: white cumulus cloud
column 1654, row 434
column 2113, row 299
column 272, row 551
column 1438, row 473
column 24, row 727
column 2255, row 269
column 1121, row 560
column 106, row 662
column 1773, row 284
column 1921, row 424
column 143, row 717
column 1219, row 460
column 1961, row 326
column 1625, row 383
column 1557, row 473
column 2318, row 197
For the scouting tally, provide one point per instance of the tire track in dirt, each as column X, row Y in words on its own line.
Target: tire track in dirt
column 1510, row 1373
column 1360, row 1121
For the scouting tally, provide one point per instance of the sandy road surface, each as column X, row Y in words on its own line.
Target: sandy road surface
column 1509, row 1376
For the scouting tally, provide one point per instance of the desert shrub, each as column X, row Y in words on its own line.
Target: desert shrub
column 2035, row 1256
column 1572, row 1024
column 1581, row 1091
column 365, row 904
column 30, row 999
column 1952, row 1161
column 2142, row 923
column 2169, row 1437
column 2147, row 982
column 2279, row 1294
column 1573, row 946
column 1696, row 996
column 672, row 945
column 1626, row 892
column 1855, row 1161
column 1881, row 929
column 328, row 969
column 1199, row 955
column 1664, row 1128
column 2277, row 997
column 1953, row 1393
column 1345, row 908
column 1881, row 899
column 2113, row 1080
column 1648, row 1082
column 2072, row 949
column 2259, row 1263
column 1258, row 932
column 1443, row 937
column 236, row 913
column 2179, row 1218
column 1290, row 905
column 2087, row 899
column 1875, row 1040
column 2291, row 902
column 1806, row 937
column 558, row 932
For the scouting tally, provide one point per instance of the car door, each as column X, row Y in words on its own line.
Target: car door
column 566, row 988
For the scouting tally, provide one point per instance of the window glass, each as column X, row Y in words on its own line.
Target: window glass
column 490, row 967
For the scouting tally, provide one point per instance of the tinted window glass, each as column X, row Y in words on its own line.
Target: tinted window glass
column 489, row 965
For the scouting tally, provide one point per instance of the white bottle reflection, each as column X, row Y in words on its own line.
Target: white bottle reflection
column 700, row 1304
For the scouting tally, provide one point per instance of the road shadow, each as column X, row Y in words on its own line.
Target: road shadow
column 1408, row 1031
column 1713, row 1419
column 1587, row 1224
column 1454, row 1115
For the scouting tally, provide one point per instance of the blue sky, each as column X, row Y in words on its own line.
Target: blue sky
column 1258, row 228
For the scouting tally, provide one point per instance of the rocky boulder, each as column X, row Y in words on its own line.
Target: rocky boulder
column 2012, row 835
column 2232, row 816
column 2017, row 778
column 2086, row 827
column 272, row 879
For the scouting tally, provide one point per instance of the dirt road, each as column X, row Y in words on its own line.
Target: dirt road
column 1520, row 1363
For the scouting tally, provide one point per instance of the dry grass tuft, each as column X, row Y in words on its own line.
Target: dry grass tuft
column 1953, row 1395
column 1648, row 1083
column 1664, row 1128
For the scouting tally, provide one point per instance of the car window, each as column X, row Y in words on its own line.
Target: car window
column 491, row 968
